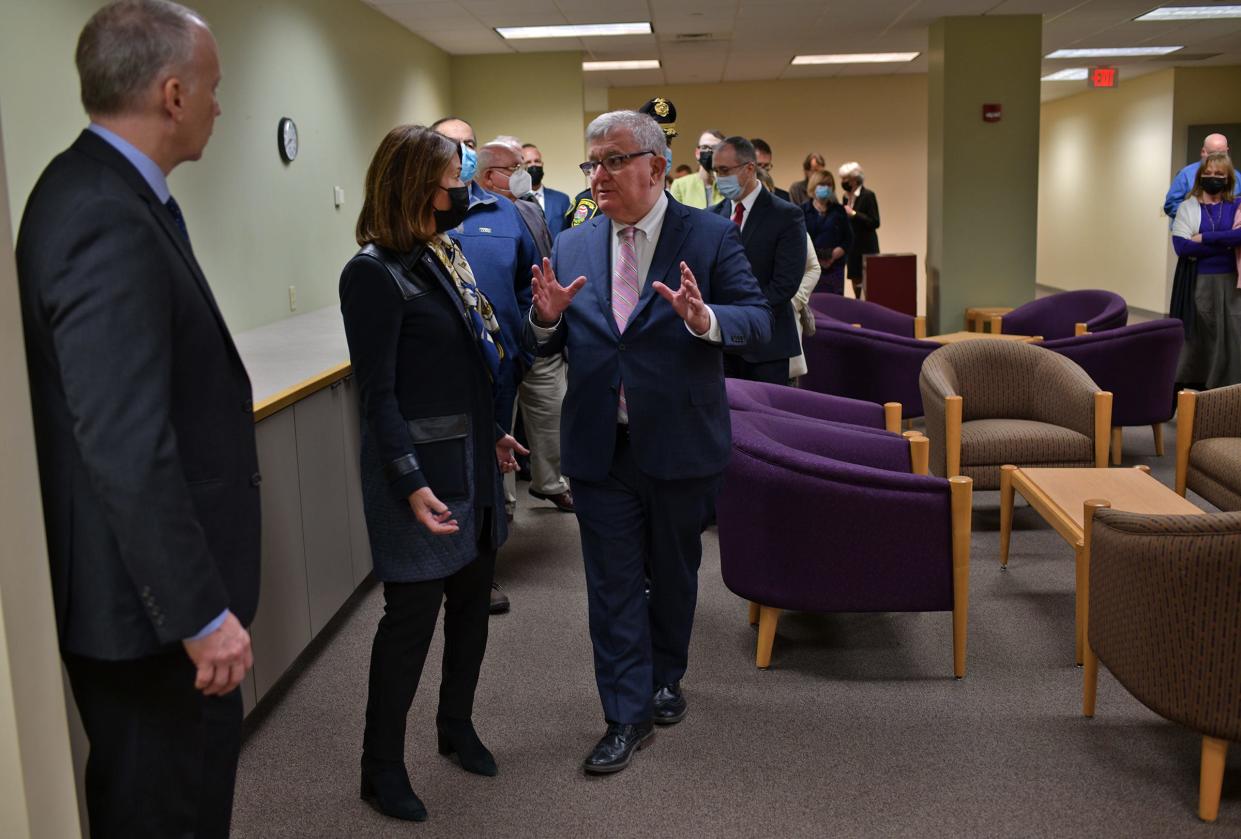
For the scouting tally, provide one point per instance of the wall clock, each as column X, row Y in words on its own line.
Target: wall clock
column 286, row 139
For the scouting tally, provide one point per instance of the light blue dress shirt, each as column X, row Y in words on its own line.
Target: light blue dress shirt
column 154, row 177
column 1181, row 185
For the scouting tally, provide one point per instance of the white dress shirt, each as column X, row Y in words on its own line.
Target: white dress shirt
column 748, row 203
column 538, row 194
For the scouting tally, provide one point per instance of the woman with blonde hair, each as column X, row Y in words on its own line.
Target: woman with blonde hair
column 425, row 347
column 829, row 229
column 1205, row 230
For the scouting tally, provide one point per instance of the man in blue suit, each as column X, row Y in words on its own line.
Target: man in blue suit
column 555, row 204
column 652, row 293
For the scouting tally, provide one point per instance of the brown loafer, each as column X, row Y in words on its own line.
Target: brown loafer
column 562, row 500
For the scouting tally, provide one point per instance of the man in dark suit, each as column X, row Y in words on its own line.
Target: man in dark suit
column 145, row 432
column 762, row 154
column 555, row 204
column 862, row 207
column 652, row 292
column 774, row 235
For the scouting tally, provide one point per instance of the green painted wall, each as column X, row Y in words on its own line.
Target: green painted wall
column 342, row 71
column 982, row 178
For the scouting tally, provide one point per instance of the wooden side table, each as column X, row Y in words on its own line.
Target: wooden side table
column 977, row 317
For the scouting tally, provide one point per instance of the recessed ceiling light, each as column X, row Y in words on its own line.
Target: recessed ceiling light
column 590, row 30
column 856, row 58
column 1072, row 74
column 1112, row 52
column 642, row 64
column 1192, row 13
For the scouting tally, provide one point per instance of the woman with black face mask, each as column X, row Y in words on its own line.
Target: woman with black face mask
column 425, row 348
column 1207, row 229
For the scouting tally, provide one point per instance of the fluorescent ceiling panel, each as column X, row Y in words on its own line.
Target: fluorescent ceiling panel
column 588, row 30
column 642, row 64
column 1071, row 74
column 856, row 58
column 1192, row 13
column 1112, row 52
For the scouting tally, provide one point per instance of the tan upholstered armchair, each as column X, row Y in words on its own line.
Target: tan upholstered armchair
column 990, row 402
column 1164, row 615
column 1208, row 445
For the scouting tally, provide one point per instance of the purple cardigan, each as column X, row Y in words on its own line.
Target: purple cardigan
column 1216, row 253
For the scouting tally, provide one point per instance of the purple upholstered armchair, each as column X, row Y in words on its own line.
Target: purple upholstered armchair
column 1058, row 315
column 780, row 399
column 898, row 542
column 865, row 364
column 1137, row 363
column 869, row 315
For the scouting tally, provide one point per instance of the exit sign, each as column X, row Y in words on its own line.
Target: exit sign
column 1103, row 77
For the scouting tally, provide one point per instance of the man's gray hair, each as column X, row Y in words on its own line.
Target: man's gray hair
column 126, row 45
column 489, row 154
column 852, row 169
column 645, row 130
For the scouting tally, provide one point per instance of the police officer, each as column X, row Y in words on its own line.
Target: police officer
column 584, row 208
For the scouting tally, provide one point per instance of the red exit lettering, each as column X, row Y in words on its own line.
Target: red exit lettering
column 1103, row 77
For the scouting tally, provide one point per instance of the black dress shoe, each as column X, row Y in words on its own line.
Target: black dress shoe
column 670, row 705
column 614, row 752
column 562, row 500
column 385, row 786
column 499, row 600
column 459, row 737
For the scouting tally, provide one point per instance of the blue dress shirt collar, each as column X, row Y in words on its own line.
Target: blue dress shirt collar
column 151, row 173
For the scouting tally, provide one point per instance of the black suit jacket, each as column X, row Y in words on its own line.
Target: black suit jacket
column 143, row 414
column 865, row 223
column 774, row 237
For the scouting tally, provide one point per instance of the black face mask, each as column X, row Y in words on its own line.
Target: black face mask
column 536, row 175
column 705, row 158
column 1214, row 185
column 446, row 220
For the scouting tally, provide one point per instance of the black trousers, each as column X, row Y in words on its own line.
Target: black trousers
column 632, row 523
column 773, row 372
column 400, row 649
column 163, row 757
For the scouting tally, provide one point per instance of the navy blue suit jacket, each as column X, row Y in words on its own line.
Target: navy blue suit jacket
column 775, row 243
column 555, row 208
column 674, row 382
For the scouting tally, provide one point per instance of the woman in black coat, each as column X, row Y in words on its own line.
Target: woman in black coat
column 425, row 349
column 830, row 231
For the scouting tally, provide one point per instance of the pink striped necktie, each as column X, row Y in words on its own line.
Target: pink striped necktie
column 625, row 291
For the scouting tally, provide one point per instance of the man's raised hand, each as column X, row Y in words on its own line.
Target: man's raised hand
column 687, row 301
column 550, row 297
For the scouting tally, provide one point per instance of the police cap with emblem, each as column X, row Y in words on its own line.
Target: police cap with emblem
column 663, row 112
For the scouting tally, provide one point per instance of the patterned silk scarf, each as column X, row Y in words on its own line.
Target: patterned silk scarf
column 477, row 307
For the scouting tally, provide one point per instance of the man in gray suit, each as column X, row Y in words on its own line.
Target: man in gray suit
column 145, row 431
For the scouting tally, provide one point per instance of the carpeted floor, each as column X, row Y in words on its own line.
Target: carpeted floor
column 858, row 729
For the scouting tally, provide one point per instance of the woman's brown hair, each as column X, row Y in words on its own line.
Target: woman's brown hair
column 1217, row 161
column 397, row 210
column 819, row 177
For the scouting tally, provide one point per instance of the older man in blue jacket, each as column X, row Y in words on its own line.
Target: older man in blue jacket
column 650, row 292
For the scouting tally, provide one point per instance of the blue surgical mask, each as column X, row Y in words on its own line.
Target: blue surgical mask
column 729, row 187
column 822, row 193
column 469, row 162
column 668, row 157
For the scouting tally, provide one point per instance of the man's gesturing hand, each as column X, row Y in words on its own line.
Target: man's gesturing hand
column 550, row 297
column 687, row 302
column 222, row 658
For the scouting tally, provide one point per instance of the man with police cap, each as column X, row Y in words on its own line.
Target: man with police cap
column 663, row 112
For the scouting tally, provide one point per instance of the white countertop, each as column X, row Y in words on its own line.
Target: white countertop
column 287, row 352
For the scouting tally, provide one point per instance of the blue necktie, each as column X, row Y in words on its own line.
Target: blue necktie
column 175, row 209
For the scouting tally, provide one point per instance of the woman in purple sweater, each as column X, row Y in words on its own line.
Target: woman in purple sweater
column 1204, row 230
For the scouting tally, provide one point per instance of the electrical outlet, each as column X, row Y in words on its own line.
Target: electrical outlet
column 338, row 195
column 292, row 298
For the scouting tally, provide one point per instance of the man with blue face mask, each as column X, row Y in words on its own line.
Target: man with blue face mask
column 773, row 232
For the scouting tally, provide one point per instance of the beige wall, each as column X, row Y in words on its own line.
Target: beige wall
column 880, row 121
column 342, row 71
column 536, row 98
column 1104, row 166
column 36, row 773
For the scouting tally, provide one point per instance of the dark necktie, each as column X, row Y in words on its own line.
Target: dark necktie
column 175, row 210
column 738, row 214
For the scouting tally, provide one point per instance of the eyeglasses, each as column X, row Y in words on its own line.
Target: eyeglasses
column 613, row 162
column 510, row 169
column 766, row 167
column 725, row 171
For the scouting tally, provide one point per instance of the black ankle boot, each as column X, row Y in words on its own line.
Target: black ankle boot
column 385, row 786
column 458, row 737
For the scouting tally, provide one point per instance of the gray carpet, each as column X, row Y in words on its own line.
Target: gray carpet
column 858, row 729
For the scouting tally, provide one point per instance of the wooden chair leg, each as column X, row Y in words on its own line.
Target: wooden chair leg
column 953, row 411
column 1079, row 606
column 962, row 503
column 1082, row 557
column 1102, row 425
column 1006, row 512
column 768, row 617
column 1211, row 778
column 1157, row 430
column 1090, row 678
column 754, row 607
column 892, row 417
column 1186, row 406
column 1118, row 438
